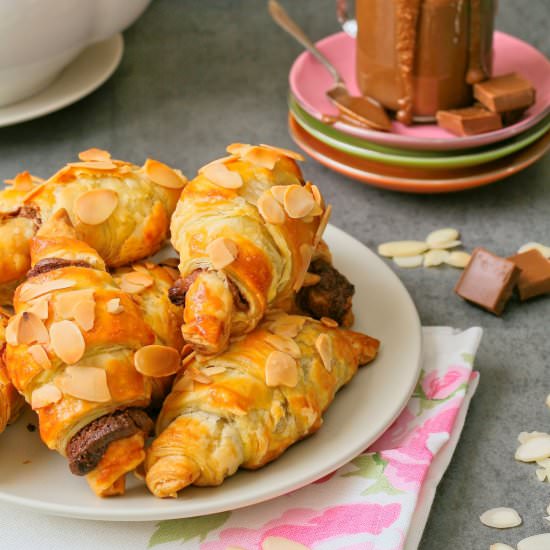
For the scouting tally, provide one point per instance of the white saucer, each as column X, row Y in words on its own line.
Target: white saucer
column 85, row 74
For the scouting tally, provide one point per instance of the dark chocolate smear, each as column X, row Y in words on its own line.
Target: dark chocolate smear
column 50, row 264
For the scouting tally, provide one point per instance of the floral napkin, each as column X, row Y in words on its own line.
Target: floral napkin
column 379, row 501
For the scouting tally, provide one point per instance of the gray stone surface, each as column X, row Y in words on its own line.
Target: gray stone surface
column 199, row 74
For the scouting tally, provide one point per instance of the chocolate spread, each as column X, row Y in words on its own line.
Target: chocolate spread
column 49, row 264
column 87, row 447
column 28, row 212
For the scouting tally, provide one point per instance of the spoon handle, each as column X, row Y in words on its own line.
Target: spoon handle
column 281, row 17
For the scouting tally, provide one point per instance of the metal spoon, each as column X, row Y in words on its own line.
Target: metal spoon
column 363, row 109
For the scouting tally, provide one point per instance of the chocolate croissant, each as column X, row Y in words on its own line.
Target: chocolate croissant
column 243, row 408
column 82, row 354
column 10, row 401
column 245, row 229
column 121, row 210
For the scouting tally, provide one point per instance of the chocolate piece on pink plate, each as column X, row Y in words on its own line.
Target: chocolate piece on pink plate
column 469, row 121
column 505, row 93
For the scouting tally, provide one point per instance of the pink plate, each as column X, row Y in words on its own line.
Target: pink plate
column 309, row 81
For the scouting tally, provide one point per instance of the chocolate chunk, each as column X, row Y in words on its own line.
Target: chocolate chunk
column 534, row 278
column 505, row 93
column 469, row 121
column 511, row 117
column 488, row 281
column 50, row 264
column 330, row 297
column 87, row 447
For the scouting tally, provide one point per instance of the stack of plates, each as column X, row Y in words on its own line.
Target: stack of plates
column 422, row 158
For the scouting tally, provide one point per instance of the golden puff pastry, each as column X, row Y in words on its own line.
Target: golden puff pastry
column 245, row 229
column 243, row 408
column 10, row 401
column 80, row 352
column 121, row 210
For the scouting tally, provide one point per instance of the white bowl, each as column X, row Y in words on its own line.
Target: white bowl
column 38, row 38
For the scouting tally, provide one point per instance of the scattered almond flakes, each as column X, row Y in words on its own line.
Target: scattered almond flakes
column 458, row 259
column 198, row 376
column 30, row 329
column 446, row 245
column 94, row 154
column 45, row 395
column 328, row 322
column 322, row 226
column 434, row 258
column 285, row 344
column 281, row 370
column 96, row 206
column 30, row 291
column 88, row 383
column 324, row 347
column 135, row 282
column 114, row 307
column 266, row 158
column 221, row 175
column 408, row 261
column 306, row 253
column 163, row 175
column 96, row 165
column 270, row 210
column 67, row 341
column 40, row 307
column 287, row 325
column 501, row 518
column 396, row 249
column 440, row 236
column 157, row 361
column 84, row 314
column 222, row 252
column 284, row 152
column 298, row 201
column 39, row 354
column 278, row 192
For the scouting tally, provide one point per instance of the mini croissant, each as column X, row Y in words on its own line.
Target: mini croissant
column 243, row 408
column 121, row 210
column 245, row 228
column 80, row 351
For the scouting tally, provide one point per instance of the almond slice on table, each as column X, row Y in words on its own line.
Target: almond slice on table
column 30, row 329
column 322, row 225
column 135, row 282
column 285, row 152
column 285, row 344
column 446, row 245
column 67, row 341
column 298, row 201
column 94, row 154
column 536, row 542
column 88, row 383
column 534, row 449
column 95, row 165
column 163, row 175
column 40, row 307
column 544, row 250
column 501, row 518
column 324, row 348
column 30, row 291
column 220, row 174
column 270, row 209
column 114, row 307
column 96, row 206
column 278, row 192
column 266, row 158
column 434, row 257
column 409, row 261
column 39, row 354
column 458, row 259
column 157, row 361
column 281, row 370
column 523, row 437
column 394, row 249
column 281, row 543
column 45, row 395
column 444, row 235
column 222, row 252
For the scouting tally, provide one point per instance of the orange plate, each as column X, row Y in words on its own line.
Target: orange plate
column 414, row 180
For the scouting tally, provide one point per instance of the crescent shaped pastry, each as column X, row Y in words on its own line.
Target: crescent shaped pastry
column 245, row 229
column 244, row 407
column 72, row 349
column 121, row 210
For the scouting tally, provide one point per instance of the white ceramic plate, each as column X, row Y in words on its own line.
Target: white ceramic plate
column 34, row 477
column 80, row 78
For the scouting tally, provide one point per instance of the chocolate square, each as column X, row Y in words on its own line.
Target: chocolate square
column 469, row 121
column 488, row 281
column 534, row 278
column 505, row 93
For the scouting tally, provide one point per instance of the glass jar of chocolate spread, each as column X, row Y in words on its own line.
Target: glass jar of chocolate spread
column 419, row 56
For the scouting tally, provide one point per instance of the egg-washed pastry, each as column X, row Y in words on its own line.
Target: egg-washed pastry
column 10, row 401
column 82, row 354
column 245, row 229
column 121, row 210
column 244, row 407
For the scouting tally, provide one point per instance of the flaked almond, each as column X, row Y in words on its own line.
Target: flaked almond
column 135, row 282
column 285, row 152
column 30, row 291
column 285, row 344
column 198, row 376
column 402, row 248
column 266, row 158
column 324, row 348
column 501, row 518
column 84, row 314
column 88, row 383
column 298, row 201
column 270, row 210
column 38, row 353
column 12, row 328
column 67, row 341
column 500, row 546
column 311, row 279
column 306, row 253
column 238, row 148
column 222, row 252
column 458, row 259
column 40, row 307
column 278, row 192
column 281, row 543
column 45, row 395
column 328, row 322
column 446, row 245
column 141, row 268
column 94, row 155
column 317, row 195
column 114, row 307
column 442, row 236
column 281, row 370
column 287, row 325
column 97, row 165
column 542, row 474
column 30, row 329
column 96, row 206
column 433, row 258
column 220, row 175
column 534, row 449
column 163, row 175
column 544, row 250
column 322, row 226
column 409, row 261
column 157, row 361
column 213, row 370
column 544, row 462
column 222, row 160
column 524, row 437
column 23, row 182
column 536, row 542
column 66, row 302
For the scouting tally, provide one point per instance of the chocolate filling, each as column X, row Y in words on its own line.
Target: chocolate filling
column 29, row 212
column 49, row 264
column 87, row 447
column 330, row 297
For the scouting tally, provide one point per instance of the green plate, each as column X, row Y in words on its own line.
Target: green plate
column 419, row 159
